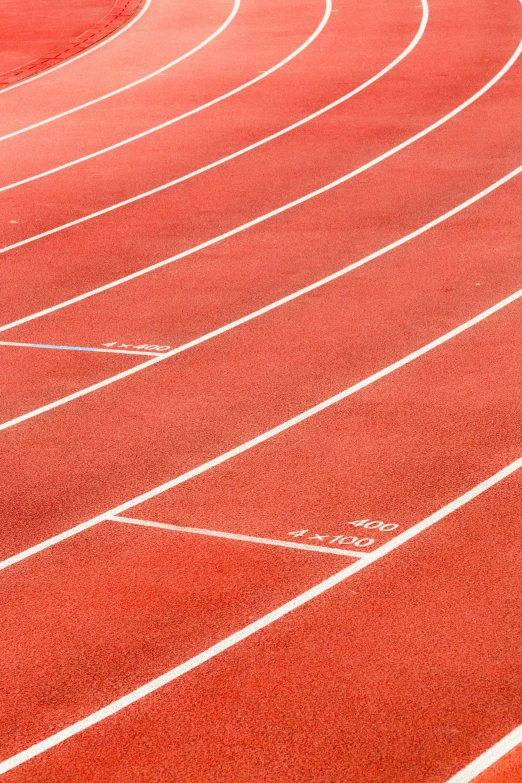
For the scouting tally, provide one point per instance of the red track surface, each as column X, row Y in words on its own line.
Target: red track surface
column 117, row 15
column 31, row 29
column 408, row 667
column 508, row 769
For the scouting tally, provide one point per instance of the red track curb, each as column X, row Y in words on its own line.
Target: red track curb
column 120, row 13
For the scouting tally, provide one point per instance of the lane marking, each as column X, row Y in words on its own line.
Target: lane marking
column 79, row 348
column 239, row 636
column 265, row 436
column 233, row 536
column 135, row 83
column 489, row 757
column 249, row 630
column 242, row 151
column 261, row 218
column 257, row 313
column 91, row 49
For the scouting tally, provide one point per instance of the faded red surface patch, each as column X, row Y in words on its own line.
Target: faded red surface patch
column 21, row 42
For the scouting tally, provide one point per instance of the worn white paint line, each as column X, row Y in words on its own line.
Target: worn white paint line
column 242, row 151
column 230, row 641
column 489, row 757
column 76, row 57
column 262, row 218
column 135, row 83
column 79, row 348
column 265, row 436
column 201, row 531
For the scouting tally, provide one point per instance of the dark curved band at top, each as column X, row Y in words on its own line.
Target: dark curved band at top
column 121, row 12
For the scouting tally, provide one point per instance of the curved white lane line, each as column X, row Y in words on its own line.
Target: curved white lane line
column 143, row 79
column 227, row 158
column 262, row 218
column 229, row 94
column 250, row 147
column 91, row 49
column 262, row 310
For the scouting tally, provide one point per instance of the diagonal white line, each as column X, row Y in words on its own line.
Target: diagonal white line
column 489, row 757
column 242, row 151
column 265, row 436
column 266, row 216
column 90, row 50
column 249, row 630
column 135, row 83
column 271, row 433
column 202, row 531
column 257, row 313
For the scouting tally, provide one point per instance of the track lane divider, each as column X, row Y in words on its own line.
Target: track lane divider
column 135, row 83
column 256, row 313
column 90, row 50
column 263, row 437
column 227, row 158
column 253, row 628
column 256, row 221
column 250, row 147
column 489, row 757
column 201, row 531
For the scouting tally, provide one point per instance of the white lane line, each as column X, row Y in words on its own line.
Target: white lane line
column 79, row 348
column 135, row 83
column 230, row 641
column 91, row 49
column 230, row 93
column 201, row 531
column 242, row 151
column 49, row 542
column 489, row 757
column 265, row 436
column 261, row 218
column 257, row 313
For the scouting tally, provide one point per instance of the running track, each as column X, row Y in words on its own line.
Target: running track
column 261, row 308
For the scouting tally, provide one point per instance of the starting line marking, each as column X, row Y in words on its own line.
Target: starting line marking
column 235, row 536
column 79, row 348
column 246, row 446
column 230, row 641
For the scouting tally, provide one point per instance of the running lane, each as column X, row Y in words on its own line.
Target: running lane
column 145, row 603
column 167, row 419
column 164, row 32
column 32, row 29
column 230, row 59
column 293, row 165
column 325, row 70
column 180, row 302
column 409, row 444
column 394, row 452
column 32, row 376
